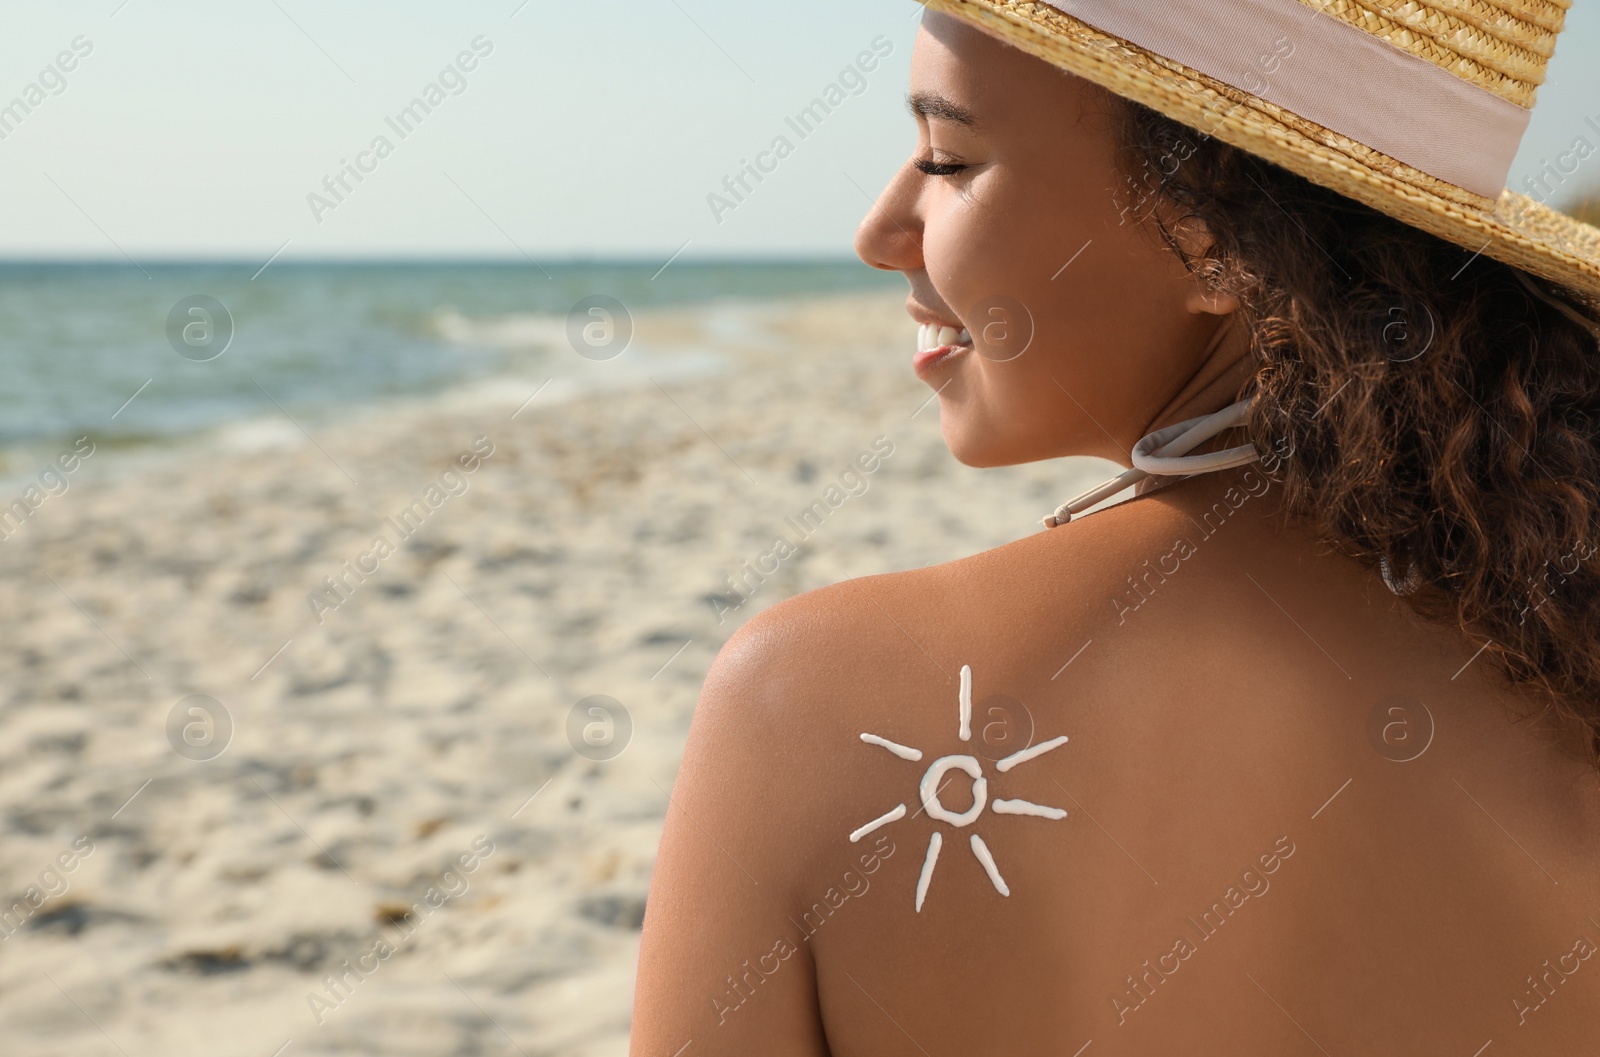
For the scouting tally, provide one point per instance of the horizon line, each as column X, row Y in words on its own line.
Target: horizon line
column 630, row 259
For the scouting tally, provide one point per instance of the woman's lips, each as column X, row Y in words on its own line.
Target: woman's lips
column 936, row 344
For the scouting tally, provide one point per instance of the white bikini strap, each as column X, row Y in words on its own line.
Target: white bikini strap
column 1164, row 453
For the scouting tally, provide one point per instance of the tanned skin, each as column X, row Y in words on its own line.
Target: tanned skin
column 1242, row 870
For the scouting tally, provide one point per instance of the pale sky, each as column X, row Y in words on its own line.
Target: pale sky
column 197, row 128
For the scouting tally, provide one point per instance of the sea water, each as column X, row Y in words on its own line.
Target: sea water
column 85, row 350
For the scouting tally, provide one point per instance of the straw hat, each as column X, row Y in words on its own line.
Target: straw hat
column 1412, row 107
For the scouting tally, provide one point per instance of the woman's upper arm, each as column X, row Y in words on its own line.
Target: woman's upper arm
column 719, row 963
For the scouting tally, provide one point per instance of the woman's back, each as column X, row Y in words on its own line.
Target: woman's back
column 1298, row 819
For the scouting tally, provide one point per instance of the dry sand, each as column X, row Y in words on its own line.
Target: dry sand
column 585, row 557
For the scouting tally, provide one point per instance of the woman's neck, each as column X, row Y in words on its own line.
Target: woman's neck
column 1224, row 370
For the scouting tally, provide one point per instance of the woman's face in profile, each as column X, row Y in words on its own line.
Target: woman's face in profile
column 1070, row 325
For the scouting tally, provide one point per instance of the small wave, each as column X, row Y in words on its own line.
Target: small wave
column 514, row 330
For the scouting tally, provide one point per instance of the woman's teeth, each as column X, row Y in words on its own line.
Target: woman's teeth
column 933, row 336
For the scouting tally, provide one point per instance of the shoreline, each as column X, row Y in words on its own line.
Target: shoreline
column 688, row 341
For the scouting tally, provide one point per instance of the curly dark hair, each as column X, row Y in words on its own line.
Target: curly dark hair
column 1439, row 410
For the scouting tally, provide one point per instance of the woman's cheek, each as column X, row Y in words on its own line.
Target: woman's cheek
column 952, row 246
column 1005, row 242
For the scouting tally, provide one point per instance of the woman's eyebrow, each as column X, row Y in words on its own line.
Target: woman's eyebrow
column 929, row 105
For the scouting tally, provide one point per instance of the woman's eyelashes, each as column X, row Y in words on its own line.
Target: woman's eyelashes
column 929, row 167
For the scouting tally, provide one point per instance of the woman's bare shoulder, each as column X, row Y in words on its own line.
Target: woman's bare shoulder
column 1019, row 605
column 1152, row 600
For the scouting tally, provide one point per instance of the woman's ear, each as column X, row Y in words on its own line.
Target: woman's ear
column 1203, row 298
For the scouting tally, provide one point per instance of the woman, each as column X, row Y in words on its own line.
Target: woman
column 1330, row 696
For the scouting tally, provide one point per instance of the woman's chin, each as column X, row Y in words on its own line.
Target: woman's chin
column 988, row 444
column 971, row 447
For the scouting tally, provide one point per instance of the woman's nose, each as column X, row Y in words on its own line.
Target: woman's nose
column 890, row 235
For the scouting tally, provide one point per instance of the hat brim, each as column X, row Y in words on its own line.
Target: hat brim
column 1514, row 229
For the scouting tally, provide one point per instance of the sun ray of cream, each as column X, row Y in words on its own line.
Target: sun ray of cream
column 966, row 702
column 905, row 752
column 981, row 850
column 884, row 819
column 1024, row 807
column 1027, row 754
column 934, row 843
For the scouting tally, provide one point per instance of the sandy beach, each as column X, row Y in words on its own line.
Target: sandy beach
column 398, row 849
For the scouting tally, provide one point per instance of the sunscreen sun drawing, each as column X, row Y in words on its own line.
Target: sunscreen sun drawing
column 928, row 793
